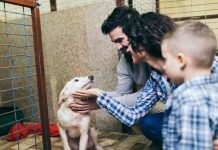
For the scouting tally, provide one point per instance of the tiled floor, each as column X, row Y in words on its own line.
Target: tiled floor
column 108, row 140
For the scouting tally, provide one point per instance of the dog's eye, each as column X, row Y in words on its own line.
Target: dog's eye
column 76, row 80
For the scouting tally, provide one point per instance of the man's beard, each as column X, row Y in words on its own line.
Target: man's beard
column 126, row 54
column 123, row 49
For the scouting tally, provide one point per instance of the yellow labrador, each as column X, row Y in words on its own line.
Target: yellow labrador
column 74, row 127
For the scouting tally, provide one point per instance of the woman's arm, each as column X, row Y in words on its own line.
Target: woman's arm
column 127, row 115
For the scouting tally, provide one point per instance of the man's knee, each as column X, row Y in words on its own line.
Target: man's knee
column 151, row 125
column 146, row 125
column 146, row 122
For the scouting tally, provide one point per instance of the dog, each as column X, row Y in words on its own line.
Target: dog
column 74, row 127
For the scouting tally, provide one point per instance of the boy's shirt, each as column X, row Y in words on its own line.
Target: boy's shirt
column 191, row 115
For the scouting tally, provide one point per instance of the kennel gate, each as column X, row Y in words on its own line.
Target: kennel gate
column 22, row 77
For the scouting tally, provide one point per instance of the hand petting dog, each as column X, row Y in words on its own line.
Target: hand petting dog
column 84, row 105
column 84, row 94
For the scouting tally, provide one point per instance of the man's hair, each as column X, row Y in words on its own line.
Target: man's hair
column 194, row 39
column 147, row 35
column 123, row 17
column 120, row 17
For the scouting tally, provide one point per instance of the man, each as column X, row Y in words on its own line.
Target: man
column 129, row 74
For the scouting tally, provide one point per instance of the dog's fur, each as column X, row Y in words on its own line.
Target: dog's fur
column 74, row 127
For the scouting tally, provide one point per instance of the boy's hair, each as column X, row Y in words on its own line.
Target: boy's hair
column 196, row 40
column 120, row 17
column 147, row 34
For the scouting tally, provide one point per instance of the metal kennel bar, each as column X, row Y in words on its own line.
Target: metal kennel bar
column 25, row 3
column 39, row 65
column 41, row 77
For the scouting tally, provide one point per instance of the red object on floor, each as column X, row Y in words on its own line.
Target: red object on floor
column 36, row 128
column 19, row 131
column 54, row 132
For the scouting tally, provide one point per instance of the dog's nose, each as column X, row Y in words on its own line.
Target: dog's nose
column 91, row 77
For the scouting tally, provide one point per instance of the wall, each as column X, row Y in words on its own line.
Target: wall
column 66, row 4
column 193, row 8
column 74, row 46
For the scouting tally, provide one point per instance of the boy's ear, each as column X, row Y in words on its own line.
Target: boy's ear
column 181, row 60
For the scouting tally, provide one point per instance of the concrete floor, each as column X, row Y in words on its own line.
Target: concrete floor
column 108, row 140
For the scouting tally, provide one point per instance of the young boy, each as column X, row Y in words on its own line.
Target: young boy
column 191, row 116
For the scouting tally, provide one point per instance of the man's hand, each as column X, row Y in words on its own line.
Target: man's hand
column 215, row 144
column 84, row 105
column 90, row 93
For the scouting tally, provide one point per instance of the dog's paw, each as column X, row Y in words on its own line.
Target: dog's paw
column 67, row 148
column 98, row 147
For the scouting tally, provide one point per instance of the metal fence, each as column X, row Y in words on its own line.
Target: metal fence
column 23, row 103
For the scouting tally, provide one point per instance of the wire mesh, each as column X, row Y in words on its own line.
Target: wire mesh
column 18, row 82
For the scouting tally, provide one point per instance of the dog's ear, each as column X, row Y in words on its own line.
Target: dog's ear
column 61, row 97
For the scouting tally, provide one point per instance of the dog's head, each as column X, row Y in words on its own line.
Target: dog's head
column 78, row 83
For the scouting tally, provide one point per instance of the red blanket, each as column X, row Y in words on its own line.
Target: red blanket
column 19, row 131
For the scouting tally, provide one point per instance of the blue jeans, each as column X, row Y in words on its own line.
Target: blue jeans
column 151, row 126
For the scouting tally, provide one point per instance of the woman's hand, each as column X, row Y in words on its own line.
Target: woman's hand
column 85, row 100
column 84, row 105
column 84, row 94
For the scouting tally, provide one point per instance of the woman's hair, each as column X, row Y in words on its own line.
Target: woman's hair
column 147, row 33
